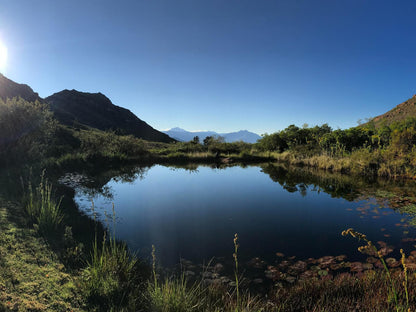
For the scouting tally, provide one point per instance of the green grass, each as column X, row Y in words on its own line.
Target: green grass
column 32, row 278
column 113, row 276
column 108, row 278
column 175, row 295
column 42, row 208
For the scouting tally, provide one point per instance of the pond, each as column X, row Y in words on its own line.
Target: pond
column 193, row 213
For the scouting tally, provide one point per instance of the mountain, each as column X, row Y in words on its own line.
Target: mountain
column 11, row 89
column 399, row 113
column 97, row 111
column 242, row 135
column 184, row 136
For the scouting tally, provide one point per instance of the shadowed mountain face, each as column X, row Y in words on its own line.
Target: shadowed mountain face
column 242, row 135
column 97, row 111
column 10, row 89
column 400, row 113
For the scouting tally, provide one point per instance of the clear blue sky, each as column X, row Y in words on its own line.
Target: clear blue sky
column 219, row 65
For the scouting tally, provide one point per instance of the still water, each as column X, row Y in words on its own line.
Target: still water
column 193, row 214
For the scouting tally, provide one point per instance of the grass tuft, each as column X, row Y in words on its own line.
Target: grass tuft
column 42, row 208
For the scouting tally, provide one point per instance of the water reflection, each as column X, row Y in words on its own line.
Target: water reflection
column 193, row 212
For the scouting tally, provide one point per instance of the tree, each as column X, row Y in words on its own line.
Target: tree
column 208, row 140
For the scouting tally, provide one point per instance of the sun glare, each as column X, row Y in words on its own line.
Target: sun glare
column 3, row 58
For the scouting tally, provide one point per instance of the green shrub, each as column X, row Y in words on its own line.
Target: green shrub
column 26, row 130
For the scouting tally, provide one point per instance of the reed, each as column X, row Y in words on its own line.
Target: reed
column 41, row 206
column 109, row 278
column 371, row 247
column 406, row 279
column 235, row 256
column 174, row 294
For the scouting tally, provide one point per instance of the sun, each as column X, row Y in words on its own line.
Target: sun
column 3, row 58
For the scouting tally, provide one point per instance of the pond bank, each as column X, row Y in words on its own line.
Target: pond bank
column 32, row 278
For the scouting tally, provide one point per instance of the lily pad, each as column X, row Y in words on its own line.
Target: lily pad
column 290, row 279
column 356, row 267
column 341, row 257
column 392, row 262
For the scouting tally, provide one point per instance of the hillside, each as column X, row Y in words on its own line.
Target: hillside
column 399, row 113
column 184, row 136
column 10, row 89
column 97, row 111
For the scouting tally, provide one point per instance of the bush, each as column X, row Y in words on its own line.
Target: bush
column 26, row 130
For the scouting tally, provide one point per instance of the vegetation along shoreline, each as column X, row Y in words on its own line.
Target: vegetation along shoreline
column 78, row 265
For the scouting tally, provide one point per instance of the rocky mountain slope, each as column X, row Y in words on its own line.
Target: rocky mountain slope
column 11, row 89
column 90, row 109
column 399, row 113
column 97, row 111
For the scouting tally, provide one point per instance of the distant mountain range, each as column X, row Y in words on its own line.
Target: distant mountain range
column 184, row 136
column 93, row 110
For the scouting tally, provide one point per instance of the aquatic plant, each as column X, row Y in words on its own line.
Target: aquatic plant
column 41, row 206
column 370, row 247
column 235, row 256
column 406, row 281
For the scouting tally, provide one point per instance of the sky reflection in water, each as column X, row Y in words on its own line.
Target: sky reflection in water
column 194, row 215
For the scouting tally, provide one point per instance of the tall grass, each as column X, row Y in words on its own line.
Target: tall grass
column 180, row 295
column 176, row 295
column 42, row 208
column 392, row 287
column 173, row 295
column 235, row 256
column 110, row 279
